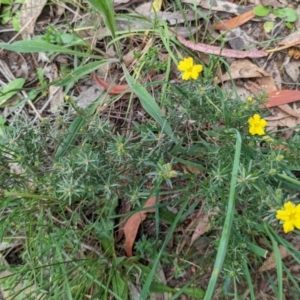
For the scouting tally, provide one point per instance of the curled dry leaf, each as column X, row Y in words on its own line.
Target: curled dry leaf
column 293, row 70
column 235, row 22
column 270, row 263
column 243, row 68
column 132, row 224
column 291, row 40
column 202, row 226
column 30, row 11
column 220, row 51
column 115, row 89
column 220, row 5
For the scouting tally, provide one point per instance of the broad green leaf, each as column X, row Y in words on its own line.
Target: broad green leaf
column 261, row 11
column 107, row 11
column 288, row 14
column 33, row 46
column 11, row 89
column 156, row 287
column 16, row 21
column 149, row 104
column 8, row 2
column 195, row 293
column 268, row 26
column 5, row 15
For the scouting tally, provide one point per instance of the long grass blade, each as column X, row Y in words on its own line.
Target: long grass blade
column 149, row 104
column 228, row 220
column 34, row 46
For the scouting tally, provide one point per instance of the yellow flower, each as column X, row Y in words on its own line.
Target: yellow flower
column 257, row 125
column 189, row 69
column 290, row 216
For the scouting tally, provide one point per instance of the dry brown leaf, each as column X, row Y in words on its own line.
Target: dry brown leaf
column 291, row 40
column 215, row 50
column 202, row 226
column 220, row 5
column 238, row 39
column 89, row 95
column 235, row 22
column 270, row 263
column 30, row 11
column 282, row 97
column 132, row 224
column 56, row 97
column 292, row 69
column 266, row 84
column 243, row 68
column 115, row 89
column 281, row 116
column 274, row 3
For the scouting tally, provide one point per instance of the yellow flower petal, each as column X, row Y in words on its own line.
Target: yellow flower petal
column 297, row 223
column 290, row 215
column 186, row 75
column 282, row 215
column 186, row 64
column 189, row 69
column 288, row 226
column 257, row 125
column 289, row 206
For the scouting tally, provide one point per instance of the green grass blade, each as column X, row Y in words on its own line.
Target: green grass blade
column 228, row 221
column 146, row 287
column 289, row 179
column 278, row 262
column 107, row 11
column 68, row 142
column 249, row 281
column 80, row 72
column 149, row 104
column 34, row 46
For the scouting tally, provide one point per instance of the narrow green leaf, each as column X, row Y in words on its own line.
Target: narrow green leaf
column 11, row 89
column 34, row 46
column 149, row 104
column 156, row 287
column 107, row 10
column 196, row 293
column 80, row 72
column 222, row 249
column 71, row 136
column 278, row 262
column 248, row 279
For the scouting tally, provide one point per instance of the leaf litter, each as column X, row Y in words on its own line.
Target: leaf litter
column 282, row 103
